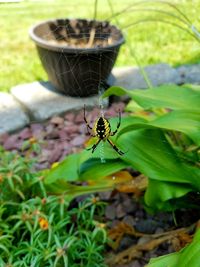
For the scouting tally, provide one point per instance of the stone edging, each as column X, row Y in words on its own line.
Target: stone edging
column 38, row 101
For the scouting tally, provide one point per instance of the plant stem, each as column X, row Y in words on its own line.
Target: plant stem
column 92, row 32
column 144, row 74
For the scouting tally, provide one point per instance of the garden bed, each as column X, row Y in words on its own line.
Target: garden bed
column 137, row 235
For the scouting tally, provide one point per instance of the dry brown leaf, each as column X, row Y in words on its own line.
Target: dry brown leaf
column 120, row 177
column 135, row 251
column 137, row 185
column 117, row 233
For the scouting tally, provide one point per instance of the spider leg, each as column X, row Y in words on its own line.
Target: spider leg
column 121, row 153
column 94, row 146
column 87, row 124
column 118, row 125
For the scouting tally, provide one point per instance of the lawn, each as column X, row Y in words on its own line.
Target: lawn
column 152, row 42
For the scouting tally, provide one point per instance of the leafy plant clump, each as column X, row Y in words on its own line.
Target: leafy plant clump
column 163, row 135
column 37, row 229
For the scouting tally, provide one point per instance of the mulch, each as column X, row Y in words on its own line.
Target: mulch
column 133, row 226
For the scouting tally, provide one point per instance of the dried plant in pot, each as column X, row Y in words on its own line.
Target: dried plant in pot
column 77, row 54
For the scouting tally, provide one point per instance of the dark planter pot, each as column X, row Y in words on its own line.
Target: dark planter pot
column 73, row 68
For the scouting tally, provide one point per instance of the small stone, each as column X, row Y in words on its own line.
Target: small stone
column 53, row 134
column 44, row 155
column 57, row 120
column 36, row 126
column 55, row 154
column 71, row 129
column 129, row 220
column 12, row 142
column 3, row 137
column 129, row 205
column 25, row 133
column 78, row 141
column 147, row 226
column 126, row 242
column 110, row 212
column 105, row 195
column 83, row 128
column 70, row 116
column 63, row 135
column 135, row 264
column 120, row 212
column 79, row 117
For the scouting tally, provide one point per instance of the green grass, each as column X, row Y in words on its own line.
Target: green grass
column 152, row 42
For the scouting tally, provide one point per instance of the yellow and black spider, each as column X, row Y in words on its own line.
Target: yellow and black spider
column 102, row 130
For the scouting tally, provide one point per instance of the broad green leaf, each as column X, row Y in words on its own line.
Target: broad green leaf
column 115, row 90
column 164, row 261
column 66, row 170
column 150, row 153
column 187, row 122
column 165, row 96
column 133, row 106
column 159, row 192
column 98, row 185
column 93, row 169
column 168, row 96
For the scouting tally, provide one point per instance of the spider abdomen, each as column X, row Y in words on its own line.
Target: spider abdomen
column 102, row 128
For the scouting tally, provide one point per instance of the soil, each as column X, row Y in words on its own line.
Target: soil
column 124, row 213
column 82, row 33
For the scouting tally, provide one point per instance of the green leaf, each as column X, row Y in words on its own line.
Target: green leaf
column 158, row 193
column 185, row 121
column 150, row 153
column 164, row 261
column 165, row 96
column 66, row 170
column 168, row 96
column 93, row 169
column 115, row 90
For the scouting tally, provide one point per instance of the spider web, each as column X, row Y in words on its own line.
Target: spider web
column 88, row 82
column 94, row 81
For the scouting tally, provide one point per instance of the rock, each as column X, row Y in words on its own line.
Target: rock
column 189, row 73
column 129, row 220
column 12, row 142
column 25, row 133
column 78, row 140
column 110, row 212
column 57, row 120
column 126, row 242
column 129, row 205
column 120, row 212
column 136, row 264
column 70, row 116
column 131, row 77
column 12, row 116
column 105, row 195
column 55, row 154
column 71, row 129
column 42, row 101
column 147, row 226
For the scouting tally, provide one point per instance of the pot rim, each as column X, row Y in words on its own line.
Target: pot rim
column 61, row 48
